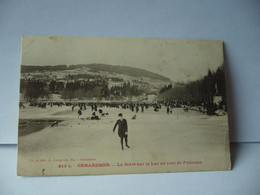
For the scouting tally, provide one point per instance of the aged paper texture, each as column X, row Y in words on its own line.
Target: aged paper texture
column 97, row 105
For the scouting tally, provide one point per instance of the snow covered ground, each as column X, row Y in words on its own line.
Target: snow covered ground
column 182, row 141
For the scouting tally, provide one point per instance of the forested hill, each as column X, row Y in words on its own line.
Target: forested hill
column 130, row 71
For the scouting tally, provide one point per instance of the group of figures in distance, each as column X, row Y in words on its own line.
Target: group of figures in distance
column 121, row 84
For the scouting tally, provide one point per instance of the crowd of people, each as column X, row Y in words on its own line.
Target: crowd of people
column 96, row 107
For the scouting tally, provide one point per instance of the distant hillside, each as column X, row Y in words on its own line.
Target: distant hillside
column 28, row 68
column 130, row 71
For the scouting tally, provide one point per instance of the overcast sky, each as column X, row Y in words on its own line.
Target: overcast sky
column 180, row 60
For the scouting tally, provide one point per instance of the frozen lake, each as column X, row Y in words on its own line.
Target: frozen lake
column 155, row 137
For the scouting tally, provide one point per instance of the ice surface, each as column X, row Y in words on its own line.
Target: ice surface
column 153, row 137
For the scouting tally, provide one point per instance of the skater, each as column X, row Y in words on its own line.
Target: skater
column 132, row 107
column 122, row 130
column 168, row 110
column 137, row 108
column 94, row 116
column 79, row 113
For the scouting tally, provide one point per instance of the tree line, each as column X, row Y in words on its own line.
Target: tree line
column 198, row 93
column 98, row 88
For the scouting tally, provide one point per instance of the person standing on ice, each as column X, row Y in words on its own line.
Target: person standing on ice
column 79, row 113
column 122, row 130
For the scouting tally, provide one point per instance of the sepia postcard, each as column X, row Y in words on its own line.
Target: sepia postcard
column 98, row 105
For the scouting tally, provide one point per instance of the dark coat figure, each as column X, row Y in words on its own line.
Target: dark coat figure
column 137, row 108
column 100, row 111
column 79, row 113
column 122, row 130
column 132, row 108
column 94, row 116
